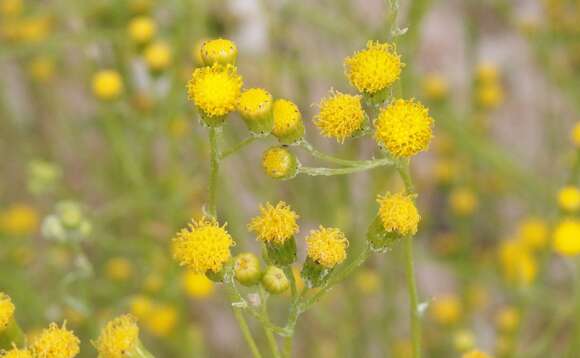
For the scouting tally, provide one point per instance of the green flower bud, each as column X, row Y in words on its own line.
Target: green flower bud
column 274, row 280
column 247, row 269
column 281, row 254
column 280, row 163
column 378, row 238
column 314, row 274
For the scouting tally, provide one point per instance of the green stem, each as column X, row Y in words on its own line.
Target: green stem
column 238, row 147
column 214, row 170
column 329, row 158
column 288, row 341
column 342, row 171
column 142, row 352
column 246, row 332
column 268, row 332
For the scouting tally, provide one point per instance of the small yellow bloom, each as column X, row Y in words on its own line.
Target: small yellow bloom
column 11, row 8
column 119, row 269
column 153, row 282
column 197, row 285
column 215, row 90
column 326, row 246
column 445, row 171
column 276, row 224
column 158, row 56
column 567, row 237
column 463, row 201
column 16, row 353
column 255, row 107
column 203, row 246
column 55, row 342
column 463, row 340
column 475, row 354
column 35, row 28
column 374, row 68
column 507, row 319
column 19, row 220
column 6, row 310
column 446, row 310
column 368, row 281
column 288, row 126
column 517, row 263
column 489, row 95
column 41, row 69
column 435, row 86
column 162, row 320
column 575, row 135
column 487, row 72
column 569, row 198
column 140, row 306
column 107, row 85
column 279, row 163
column 142, row 29
column 404, row 127
column 399, row 214
column 533, row 232
column 218, row 51
column 341, row 116
column 119, row 338
column 178, row 127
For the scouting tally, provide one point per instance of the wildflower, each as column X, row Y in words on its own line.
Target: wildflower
column 19, row 220
column 279, row 163
column 463, row 201
column 373, row 69
column 215, row 91
column 161, row 320
column 489, row 95
column 475, row 354
column 507, row 319
column 274, row 280
column 153, row 282
column 196, row 52
column 446, row 310
column 247, row 269
column 119, row 338
column 11, row 8
column 567, row 237
column 41, row 69
column 6, row 311
column 204, row 246
column 219, row 51
column 119, row 269
column 55, row 342
column 35, row 28
column 368, row 281
column 569, row 198
column 197, row 285
column 16, row 353
column 445, row 171
column 140, row 6
column 463, row 340
column 326, row 246
column 288, row 126
column 404, row 127
column 487, row 72
column 255, row 107
column 142, row 29
column 275, row 223
column 107, row 85
column 140, row 306
column 435, row 87
column 518, row 265
column 178, row 127
column 575, row 135
column 398, row 214
column 341, row 116
column 158, row 56
column 533, row 232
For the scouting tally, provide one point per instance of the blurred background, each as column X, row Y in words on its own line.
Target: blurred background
column 93, row 189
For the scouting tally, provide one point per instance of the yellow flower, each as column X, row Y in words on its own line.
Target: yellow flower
column 463, row 340
column 507, row 319
column 533, row 232
column 487, row 72
column 276, row 224
column 279, row 163
column 178, row 127
column 41, row 68
column 399, row 214
column 158, row 56
column 489, row 95
column 35, row 28
column 16, row 353
column 463, row 201
column 326, row 246
column 435, row 86
column 255, row 107
column 374, row 68
column 215, row 90
column 162, row 320
column 569, row 198
column 404, row 127
column 196, row 52
column 567, row 237
column 6, row 311
column 475, row 354
column 107, row 85
column 518, row 265
column 55, row 342
column 288, row 126
column 575, row 135
column 218, row 51
column 203, row 246
column 140, row 306
column 197, row 285
column 368, row 281
column 119, row 338
column 142, row 29
column 10, row 8
column 19, row 220
column 446, row 310
column 341, row 116
column 119, row 269
column 445, row 171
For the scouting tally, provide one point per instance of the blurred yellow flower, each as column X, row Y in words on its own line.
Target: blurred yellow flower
column 178, row 127
column 34, row 29
column 161, row 320
column 490, row 95
column 55, row 342
column 158, row 56
column 533, row 232
column 567, row 237
column 575, row 135
column 140, row 306
column 445, row 171
column 373, row 69
column 368, row 281
column 119, row 338
column 463, row 340
column 6, row 310
column 463, row 201
column 435, row 86
column 197, row 285
column 341, row 116
column 19, row 220
column 517, row 263
column 569, row 198
column 141, row 29
column 275, row 224
column 17, row 353
column 326, row 246
column 507, row 319
column 107, row 85
column 119, row 269
column 10, row 8
column 41, row 69
column 446, row 310
column 475, row 354
column 153, row 282
column 487, row 72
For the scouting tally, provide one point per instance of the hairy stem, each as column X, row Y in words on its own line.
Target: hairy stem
column 214, row 165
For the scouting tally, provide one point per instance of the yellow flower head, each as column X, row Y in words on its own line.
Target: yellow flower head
column 119, row 338
column 55, row 342
column 119, row 269
column 215, row 90
column 158, row 56
column 254, row 102
column 287, row 121
column 140, row 306
column 404, row 127
column 6, row 310
column 197, row 285
column 463, row 201
column 368, row 281
column 326, row 246
column 575, row 135
column 142, row 29
column 399, row 214
column 19, row 219
column 374, row 68
column 161, row 320
column 107, row 85
column 567, row 237
column 569, row 198
column 446, row 310
column 487, row 72
column 475, row 354
column 11, row 8
column 533, row 232
column 517, row 263
column 204, row 246
column 507, row 319
column 279, row 163
column 16, row 353
column 218, row 51
column 41, row 68
column 490, row 95
column 341, row 116
column 435, row 86
column 276, row 224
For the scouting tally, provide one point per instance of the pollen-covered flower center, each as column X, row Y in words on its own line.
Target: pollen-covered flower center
column 254, row 102
column 398, row 214
column 373, row 69
column 286, row 117
column 275, row 224
column 55, row 342
column 341, row 116
column 119, row 338
column 327, row 246
column 215, row 90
